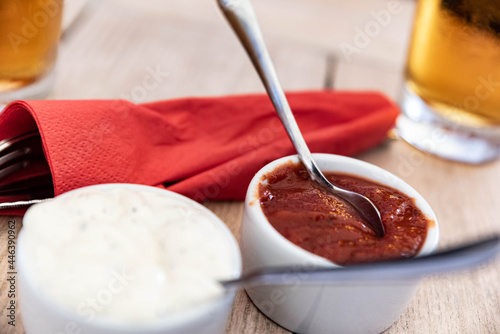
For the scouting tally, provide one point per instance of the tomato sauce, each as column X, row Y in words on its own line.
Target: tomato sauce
column 329, row 227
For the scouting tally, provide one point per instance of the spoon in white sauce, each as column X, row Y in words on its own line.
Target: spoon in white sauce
column 459, row 258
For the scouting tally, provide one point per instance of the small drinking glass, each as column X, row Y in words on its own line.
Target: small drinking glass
column 29, row 35
column 451, row 97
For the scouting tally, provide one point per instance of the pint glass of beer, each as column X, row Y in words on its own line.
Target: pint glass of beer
column 451, row 98
column 29, row 34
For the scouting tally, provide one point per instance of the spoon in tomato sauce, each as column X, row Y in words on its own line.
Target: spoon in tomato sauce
column 242, row 19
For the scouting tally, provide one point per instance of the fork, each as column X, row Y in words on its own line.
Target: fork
column 25, row 177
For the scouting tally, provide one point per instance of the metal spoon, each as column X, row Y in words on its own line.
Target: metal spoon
column 463, row 257
column 242, row 19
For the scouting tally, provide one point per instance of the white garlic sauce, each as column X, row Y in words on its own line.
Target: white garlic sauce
column 125, row 256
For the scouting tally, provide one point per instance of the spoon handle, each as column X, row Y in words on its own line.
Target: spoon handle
column 459, row 258
column 241, row 17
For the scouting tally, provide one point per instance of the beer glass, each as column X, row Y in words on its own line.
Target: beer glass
column 451, row 97
column 29, row 34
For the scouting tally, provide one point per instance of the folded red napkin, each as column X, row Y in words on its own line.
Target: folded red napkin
column 204, row 148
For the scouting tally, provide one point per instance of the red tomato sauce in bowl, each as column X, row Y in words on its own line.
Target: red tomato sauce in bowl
column 329, row 227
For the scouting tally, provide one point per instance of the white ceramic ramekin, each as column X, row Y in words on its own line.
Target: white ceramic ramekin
column 41, row 316
column 354, row 307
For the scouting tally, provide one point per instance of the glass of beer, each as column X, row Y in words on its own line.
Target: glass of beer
column 29, row 35
column 451, row 97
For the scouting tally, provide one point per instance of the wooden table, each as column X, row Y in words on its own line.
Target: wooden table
column 114, row 44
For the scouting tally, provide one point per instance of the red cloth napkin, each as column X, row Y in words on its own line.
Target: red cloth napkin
column 204, row 148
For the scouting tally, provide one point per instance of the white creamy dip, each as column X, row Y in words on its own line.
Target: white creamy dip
column 126, row 256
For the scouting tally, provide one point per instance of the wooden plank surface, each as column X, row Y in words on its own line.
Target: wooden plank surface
column 114, row 44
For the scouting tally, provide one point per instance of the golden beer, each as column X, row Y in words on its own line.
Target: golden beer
column 454, row 60
column 29, row 33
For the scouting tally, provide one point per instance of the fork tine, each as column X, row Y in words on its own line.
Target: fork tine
column 11, row 169
column 39, row 192
column 27, row 184
column 31, row 193
column 14, row 149
column 6, row 143
column 26, row 181
column 13, row 156
column 24, row 173
column 23, row 170
column 22, row 202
